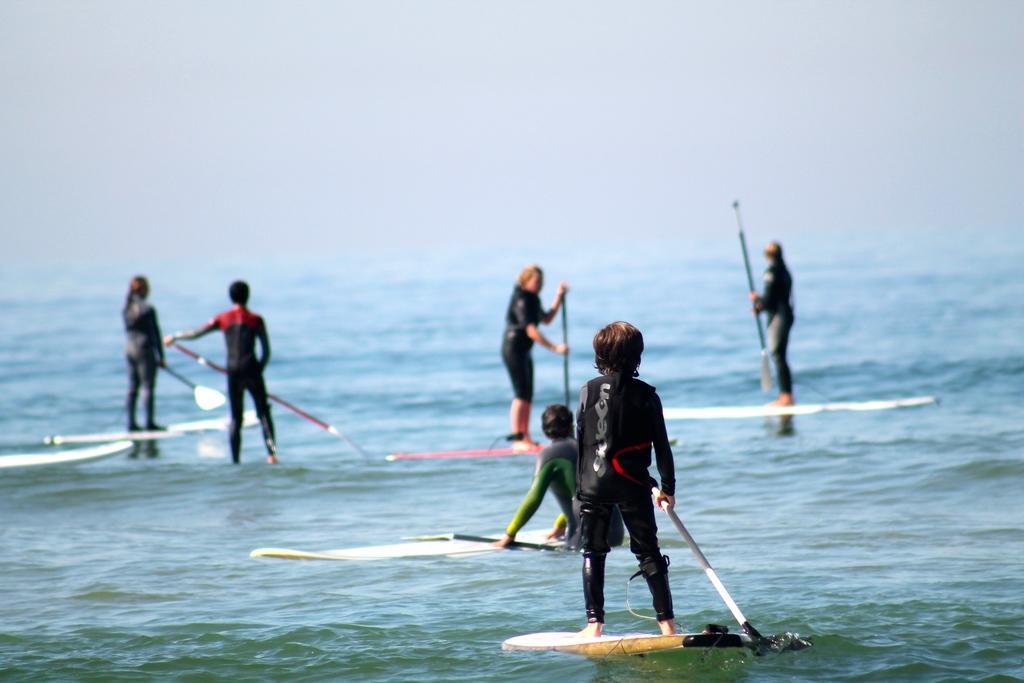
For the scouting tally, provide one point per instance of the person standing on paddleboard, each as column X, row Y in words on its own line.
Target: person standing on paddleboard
column 556, row 469
column 619, row 422
column 522, row 321
column 777, row 302
column 142, row 350
column 242, row 329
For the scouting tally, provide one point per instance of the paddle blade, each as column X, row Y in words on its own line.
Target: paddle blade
column 208, row 399
column 766, row 373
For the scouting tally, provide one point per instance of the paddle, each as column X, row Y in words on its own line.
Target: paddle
column 713, row 577
column 772, row 643
column 206, row 398
column 766, row 373
column 277, row 399
column 565, row 359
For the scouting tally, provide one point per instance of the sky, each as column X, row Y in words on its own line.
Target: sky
column 265, row 128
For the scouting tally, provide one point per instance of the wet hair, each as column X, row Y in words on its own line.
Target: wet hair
column 556, row 421
column 239, row 292
column 137, row 283
column 527, row 272
column 617, row 348
column 773, row 250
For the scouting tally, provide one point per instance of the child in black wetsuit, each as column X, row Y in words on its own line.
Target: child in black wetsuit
column 619, row 421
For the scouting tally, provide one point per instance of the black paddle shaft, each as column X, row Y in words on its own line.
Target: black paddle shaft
column 180, row 377
column 746, row 263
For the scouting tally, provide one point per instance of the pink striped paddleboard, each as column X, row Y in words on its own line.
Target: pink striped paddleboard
column 471, row 453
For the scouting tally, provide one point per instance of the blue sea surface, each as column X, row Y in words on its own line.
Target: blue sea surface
column 891, row 539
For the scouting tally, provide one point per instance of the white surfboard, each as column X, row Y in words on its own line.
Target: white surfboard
column 736, row 412
column 630, row 644
column 172, row 431
column 441, row 545
column 73, row 456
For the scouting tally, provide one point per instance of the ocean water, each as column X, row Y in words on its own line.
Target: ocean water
column 891, row 539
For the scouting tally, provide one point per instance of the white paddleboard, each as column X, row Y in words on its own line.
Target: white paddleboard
column 735, row 412
column 631, row 644
column 442, row 545
column 73, row 456
column 172, row 431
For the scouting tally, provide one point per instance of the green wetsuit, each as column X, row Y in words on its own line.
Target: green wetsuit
column 556, row 469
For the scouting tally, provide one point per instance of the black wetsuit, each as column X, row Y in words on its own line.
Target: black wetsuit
column 619, row 421
column 777, row 302
column 242, row 328
column 524, row 309
column 144, row 352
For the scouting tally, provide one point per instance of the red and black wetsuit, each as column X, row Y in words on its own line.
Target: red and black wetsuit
column 242, row 329
column 619, row 422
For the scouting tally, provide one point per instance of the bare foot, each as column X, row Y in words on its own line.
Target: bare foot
column 668, row 627
column 524, row 446
column 783, row 400
column 593, row 630
column 272, row 459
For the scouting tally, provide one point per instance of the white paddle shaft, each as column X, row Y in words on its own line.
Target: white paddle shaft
column 712, row 576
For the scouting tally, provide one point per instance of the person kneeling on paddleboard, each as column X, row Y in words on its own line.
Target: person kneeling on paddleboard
column 556, row 469
column 619, row 421
column 242, row 328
